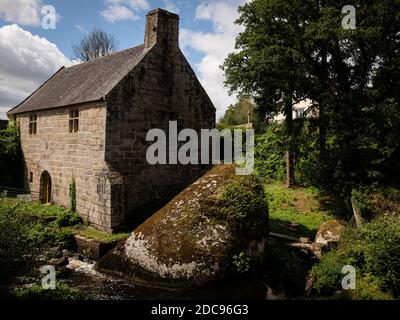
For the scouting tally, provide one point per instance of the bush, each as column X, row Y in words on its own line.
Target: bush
column 52, row 236
column 241, row 262
column 374, row 201
column 18, row 249
column 37, row 293
column 68, row 218
column 373, row 249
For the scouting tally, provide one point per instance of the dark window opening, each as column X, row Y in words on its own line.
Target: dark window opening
column 30, row 177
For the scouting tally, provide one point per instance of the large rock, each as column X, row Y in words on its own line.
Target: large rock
column 330, row 231
column 198, row 236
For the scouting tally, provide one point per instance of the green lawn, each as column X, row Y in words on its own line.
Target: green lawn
column 304, row 206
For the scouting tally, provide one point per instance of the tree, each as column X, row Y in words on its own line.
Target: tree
column 94, row 45
column 239, row 113
column 292, row 49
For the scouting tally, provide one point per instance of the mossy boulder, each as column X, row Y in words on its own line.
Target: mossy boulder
column 214, row 228
column 330, row 231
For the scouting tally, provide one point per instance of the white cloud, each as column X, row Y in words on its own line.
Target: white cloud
column 170, row 6
column 26, row 61
column 118, row 10
column 115, row 13
column 23, row 12
column 214, row 46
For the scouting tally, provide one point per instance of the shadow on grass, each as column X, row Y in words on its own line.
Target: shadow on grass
column 336, row 206
column 278, row 226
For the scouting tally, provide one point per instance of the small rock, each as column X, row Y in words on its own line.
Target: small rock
column 61, row 262
column 330, row 231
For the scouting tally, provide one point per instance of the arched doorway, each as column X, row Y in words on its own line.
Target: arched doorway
column 45, row 187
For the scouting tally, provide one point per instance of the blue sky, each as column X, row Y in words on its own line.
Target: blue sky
column 29, row 54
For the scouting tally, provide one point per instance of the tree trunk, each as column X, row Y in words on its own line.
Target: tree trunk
column 289, row 136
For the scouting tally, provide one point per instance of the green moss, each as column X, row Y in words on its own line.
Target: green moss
column 243, row 202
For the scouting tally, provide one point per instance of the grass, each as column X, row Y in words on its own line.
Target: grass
column 32, row 208
column 44, row 211
column 99, row 236
column 304, row 206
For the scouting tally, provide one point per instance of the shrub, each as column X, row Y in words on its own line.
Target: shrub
column 18, row 249
column 241, row 262
column 37, row 293
column 68, row 218
column 373, row 249
column 373, row 201
column 52, row 236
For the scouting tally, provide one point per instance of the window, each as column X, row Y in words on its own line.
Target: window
column 300, row 113
column 30, row 177
column 74, row 121
column 32, row 124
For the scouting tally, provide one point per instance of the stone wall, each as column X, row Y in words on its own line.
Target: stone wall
column 162, row 88
column 65, row 155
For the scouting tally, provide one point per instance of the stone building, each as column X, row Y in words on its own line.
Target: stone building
column 88, row 124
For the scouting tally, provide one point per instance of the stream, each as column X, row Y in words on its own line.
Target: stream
column 83, row 276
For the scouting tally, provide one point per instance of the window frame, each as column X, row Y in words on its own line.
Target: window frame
column 33, row 120
column 73, row 123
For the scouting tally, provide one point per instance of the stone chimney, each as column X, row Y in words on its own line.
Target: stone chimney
column 162, row 27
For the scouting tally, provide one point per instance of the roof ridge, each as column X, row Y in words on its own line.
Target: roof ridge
column 103, row 57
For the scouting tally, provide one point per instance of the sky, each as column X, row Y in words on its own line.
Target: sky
column 30, row 54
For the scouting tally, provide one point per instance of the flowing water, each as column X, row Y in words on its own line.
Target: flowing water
column 83, row 276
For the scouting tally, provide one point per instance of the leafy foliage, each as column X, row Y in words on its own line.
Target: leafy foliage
column 18, row 248
column 238, row 114
column 37, row 293
column 11, row 166
column 269, row 154
column 374, row 201
column 241, row 262
column 72, row 195
column 68, row 218
column 373, row 249
column 298, row 49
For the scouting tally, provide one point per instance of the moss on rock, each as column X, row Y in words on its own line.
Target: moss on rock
column 193, row 239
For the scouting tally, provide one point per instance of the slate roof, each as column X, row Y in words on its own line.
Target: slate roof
column 86, row 82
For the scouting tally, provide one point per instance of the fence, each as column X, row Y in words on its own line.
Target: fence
column 14, row 192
